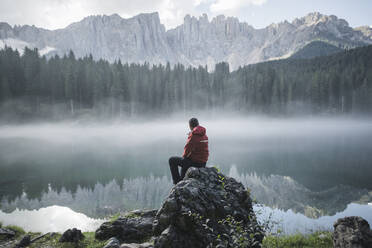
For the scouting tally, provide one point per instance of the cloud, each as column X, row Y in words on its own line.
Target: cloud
column 227, row 5
column 53, row 14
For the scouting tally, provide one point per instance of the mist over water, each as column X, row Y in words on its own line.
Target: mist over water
column 310, row 166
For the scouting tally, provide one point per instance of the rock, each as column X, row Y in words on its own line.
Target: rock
column 71, row 235
column 6, row 233
column 207, row 209
column 134, row 227
column 25, row 241
column 112, row 243
column 352, row 232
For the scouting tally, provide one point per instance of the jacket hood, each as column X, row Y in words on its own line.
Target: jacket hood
column 199, row 130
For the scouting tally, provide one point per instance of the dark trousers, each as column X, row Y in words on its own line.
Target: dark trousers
column 184, row 163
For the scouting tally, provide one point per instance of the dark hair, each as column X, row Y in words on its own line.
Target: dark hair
column 193, row 122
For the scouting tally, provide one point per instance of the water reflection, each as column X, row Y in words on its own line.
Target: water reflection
column 295, row 206
column 101, row 200
column 291, row 222
column 310, row 167
column 50, row 219
column 284, row 193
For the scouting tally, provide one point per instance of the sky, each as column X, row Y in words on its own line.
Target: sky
column 54, row 14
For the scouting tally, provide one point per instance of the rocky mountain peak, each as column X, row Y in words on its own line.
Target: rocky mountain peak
column 115, row 20
column 198, row 41
column 315, row 18
column 154, row 16
column 365, row 30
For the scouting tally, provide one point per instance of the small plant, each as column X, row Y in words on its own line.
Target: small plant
column 229, row 232
column 269, row 225
column 217, row 168
column 238, row 234
column 222, row 180
column 114, row 217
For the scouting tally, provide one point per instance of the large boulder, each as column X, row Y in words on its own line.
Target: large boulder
column 352, row 232
column 71, row 235
column 207, row 209
column 134, row 227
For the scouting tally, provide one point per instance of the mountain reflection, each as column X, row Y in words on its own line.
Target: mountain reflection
column 284, row 193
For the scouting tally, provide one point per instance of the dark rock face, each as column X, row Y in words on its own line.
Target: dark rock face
column 136, row 226
column 6, row 233
column 202, row 208
column 71, row 235
column 24, row 242
column 352, row 232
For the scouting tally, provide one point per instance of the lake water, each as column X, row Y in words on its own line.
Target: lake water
column 305, row 173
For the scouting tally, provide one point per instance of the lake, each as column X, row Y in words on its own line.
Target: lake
column 304, row 173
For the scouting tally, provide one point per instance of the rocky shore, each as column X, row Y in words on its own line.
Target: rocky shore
column 207, row 209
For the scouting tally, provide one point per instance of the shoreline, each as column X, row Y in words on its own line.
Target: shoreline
column 321, row 239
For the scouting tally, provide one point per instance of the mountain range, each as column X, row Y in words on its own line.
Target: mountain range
column 198, row 41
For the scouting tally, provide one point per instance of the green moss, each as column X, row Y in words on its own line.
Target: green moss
column 91, row 242
column 18, row 230
column 133, row 215
column 114, row 217
column 317, row 239
column 125, row 215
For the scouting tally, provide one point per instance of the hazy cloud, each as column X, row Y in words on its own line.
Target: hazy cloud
column 225, row 5
column 53, row 14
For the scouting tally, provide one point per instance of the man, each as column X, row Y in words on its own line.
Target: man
column 195, row 153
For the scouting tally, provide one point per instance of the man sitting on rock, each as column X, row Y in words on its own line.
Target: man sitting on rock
column 195, row 152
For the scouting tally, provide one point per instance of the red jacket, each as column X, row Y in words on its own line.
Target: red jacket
column 196, row 147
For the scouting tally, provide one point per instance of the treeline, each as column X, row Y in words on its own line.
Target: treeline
column 62, row 87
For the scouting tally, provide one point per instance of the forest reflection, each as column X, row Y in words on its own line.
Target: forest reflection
column 277, row 192
column 315, row 167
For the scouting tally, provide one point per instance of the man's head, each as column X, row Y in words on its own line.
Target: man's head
column 193, row 122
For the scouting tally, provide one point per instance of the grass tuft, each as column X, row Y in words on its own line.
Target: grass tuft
column 88, row 242
column 18, row 230
column 114, row 217
column 317, row 239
